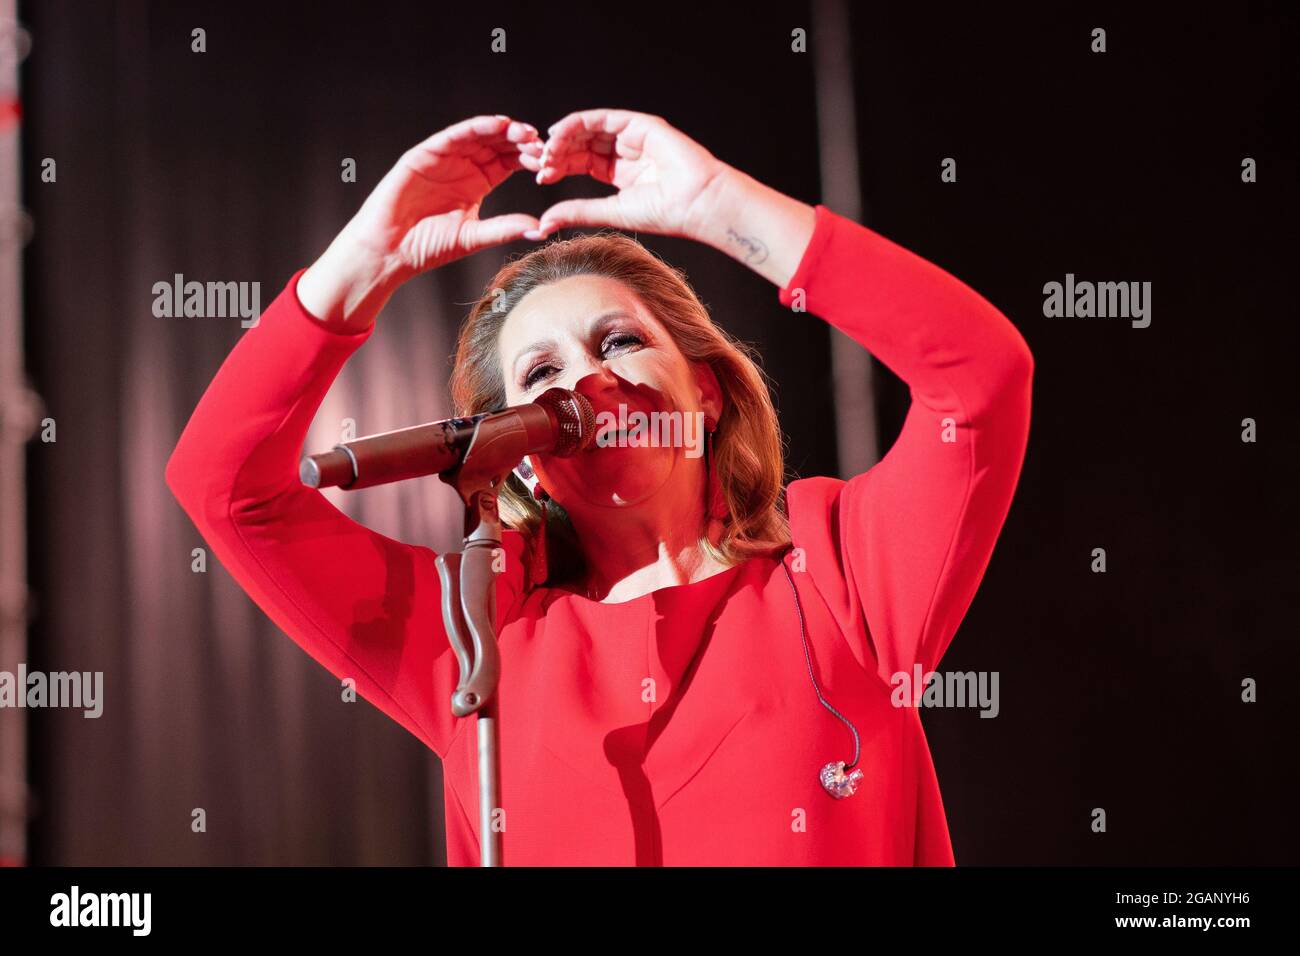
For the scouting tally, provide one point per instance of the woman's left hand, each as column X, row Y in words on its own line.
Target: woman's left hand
column 663, row 176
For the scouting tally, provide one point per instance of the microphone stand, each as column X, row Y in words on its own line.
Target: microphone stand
column 468, row 580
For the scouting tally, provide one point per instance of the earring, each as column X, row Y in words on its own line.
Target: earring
column 537, row 563
column 524, row 472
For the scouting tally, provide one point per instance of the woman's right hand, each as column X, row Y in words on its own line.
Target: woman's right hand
column 421, row 215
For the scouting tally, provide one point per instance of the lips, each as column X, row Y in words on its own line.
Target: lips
column 610, row 433
column 608, row 438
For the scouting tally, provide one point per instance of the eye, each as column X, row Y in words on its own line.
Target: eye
column 532, row 377
column 619, row 339
column 616, row 340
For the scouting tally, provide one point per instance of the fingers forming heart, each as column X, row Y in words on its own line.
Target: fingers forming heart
column 601, row 143
column 590, row 142
column 586, row 142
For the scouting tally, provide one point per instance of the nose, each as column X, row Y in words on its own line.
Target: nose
column 599, row 388
column 593, row 378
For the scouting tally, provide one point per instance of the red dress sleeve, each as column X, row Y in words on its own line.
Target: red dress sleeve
column 363, row 605
column 899, row 550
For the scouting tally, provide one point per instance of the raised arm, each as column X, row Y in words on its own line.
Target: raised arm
column 899, row 550
column 363, row 605
column 915, row 533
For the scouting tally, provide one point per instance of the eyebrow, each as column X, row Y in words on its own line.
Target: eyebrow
column 541, row 345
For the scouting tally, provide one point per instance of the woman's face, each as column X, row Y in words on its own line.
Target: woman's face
column 594, row 335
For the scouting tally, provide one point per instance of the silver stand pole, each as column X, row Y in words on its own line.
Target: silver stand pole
column 469, row 615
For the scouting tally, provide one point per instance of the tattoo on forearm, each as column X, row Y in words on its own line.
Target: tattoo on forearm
column 754, row 250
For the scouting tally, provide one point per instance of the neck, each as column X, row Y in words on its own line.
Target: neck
column 645, row 548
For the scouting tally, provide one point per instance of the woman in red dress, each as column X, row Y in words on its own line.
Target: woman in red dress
column 690, row 643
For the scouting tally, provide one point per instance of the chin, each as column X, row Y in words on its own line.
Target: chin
column 620, row 477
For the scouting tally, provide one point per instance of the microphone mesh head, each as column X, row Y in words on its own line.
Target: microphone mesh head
column 576, row 419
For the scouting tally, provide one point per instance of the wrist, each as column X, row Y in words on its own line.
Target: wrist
column 755, row 224
column 347, row 287
column 367, row 263
column 712, row 208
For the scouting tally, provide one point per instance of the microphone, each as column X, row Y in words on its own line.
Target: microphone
column 560, row 422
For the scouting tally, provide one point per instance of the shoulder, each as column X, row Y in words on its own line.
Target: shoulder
column 815, row 507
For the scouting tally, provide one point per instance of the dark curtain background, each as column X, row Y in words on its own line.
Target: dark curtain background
column 1119, row 690
column 225, row 165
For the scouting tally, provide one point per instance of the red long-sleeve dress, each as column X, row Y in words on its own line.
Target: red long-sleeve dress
column 721, row 766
